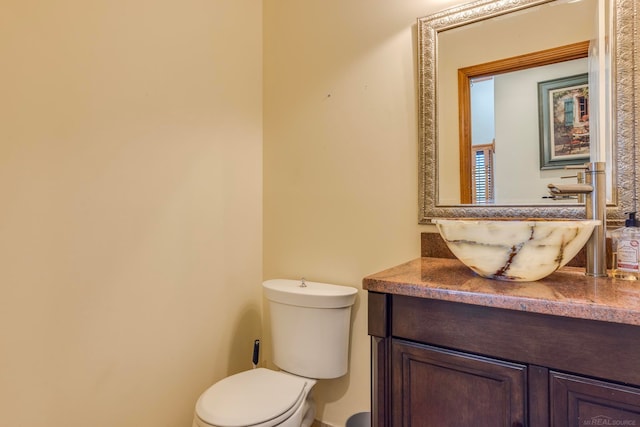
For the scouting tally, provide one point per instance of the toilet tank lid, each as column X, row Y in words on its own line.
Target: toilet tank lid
column 251, row 397
column 313, row 294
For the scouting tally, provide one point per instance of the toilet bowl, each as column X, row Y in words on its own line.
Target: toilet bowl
column 310, row 325
column 260, row 397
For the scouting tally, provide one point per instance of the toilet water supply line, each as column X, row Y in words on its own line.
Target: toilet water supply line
column 256, row 353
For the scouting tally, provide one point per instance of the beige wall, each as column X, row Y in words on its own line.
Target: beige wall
column 131, row 190
column 340, row 154
column 131, row 207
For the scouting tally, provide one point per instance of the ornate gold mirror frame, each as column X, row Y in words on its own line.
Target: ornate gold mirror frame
column 625, row 100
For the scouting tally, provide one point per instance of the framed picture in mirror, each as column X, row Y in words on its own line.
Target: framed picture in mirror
column 563, row 105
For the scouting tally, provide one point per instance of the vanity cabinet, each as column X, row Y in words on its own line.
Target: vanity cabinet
column 582, row 401
column 444, row 363
column 431, row 384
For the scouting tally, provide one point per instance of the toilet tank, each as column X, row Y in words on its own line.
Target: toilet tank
column 310, row 326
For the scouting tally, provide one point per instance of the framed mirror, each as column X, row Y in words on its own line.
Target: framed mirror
column 472, row 36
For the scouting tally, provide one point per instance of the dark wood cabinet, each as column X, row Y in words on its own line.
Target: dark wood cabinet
column 440, row 363
column 434, row 387
column 579, row 401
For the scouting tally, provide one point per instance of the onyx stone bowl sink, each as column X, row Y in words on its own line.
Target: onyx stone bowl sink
column 515, row 249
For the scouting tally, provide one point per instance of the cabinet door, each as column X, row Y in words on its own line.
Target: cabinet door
column 433, row 387
column 578, row 401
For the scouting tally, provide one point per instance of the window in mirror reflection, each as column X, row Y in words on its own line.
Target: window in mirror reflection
column 483, row 187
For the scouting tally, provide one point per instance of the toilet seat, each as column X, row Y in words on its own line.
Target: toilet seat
column 260, row 397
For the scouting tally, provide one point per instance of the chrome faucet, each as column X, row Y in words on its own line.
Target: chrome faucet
column 594, row 188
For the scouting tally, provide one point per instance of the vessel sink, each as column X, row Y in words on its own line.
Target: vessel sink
column 515, row 249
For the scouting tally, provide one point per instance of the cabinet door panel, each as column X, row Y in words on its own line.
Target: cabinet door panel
column 433, row 387
column 578, row 401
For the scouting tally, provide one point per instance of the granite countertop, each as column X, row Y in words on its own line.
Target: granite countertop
column 567, row 292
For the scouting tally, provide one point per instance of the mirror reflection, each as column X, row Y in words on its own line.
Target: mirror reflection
column 499, row 133
column 548, row 98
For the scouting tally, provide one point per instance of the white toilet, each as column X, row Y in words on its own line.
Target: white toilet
column 310, row 325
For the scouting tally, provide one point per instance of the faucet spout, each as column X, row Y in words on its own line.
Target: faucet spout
column 594, row 190
column 570, row 189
